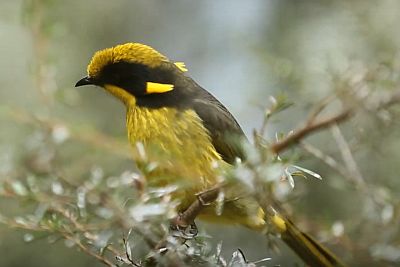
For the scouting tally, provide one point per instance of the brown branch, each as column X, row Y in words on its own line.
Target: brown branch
column 308, row 129
column 203, row 199
column 311, row 126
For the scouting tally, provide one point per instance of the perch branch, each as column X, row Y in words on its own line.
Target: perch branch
column 203, row 199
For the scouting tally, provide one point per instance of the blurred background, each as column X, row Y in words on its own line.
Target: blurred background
column 242, row 52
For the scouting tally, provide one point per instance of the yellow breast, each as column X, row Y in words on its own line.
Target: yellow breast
column 178, row 143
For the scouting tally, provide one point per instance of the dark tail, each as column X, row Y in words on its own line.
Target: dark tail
column 307, row 248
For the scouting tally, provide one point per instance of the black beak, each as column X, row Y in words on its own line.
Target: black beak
column 84, row 81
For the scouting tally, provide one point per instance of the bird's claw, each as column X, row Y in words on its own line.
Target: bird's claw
column 185, row 231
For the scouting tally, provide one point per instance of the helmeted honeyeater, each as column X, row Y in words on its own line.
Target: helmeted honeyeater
column 187, row 131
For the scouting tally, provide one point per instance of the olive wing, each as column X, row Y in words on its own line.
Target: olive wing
column 226, row 134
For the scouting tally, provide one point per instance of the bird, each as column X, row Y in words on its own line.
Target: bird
column 188, row 132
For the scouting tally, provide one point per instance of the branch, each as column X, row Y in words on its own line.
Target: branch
column 348, row 159
column 311, row 126
column 88, row 250
column 203, row 199
column 308, row 129
column 62, row 232
column 85, row 135
column 328, row 160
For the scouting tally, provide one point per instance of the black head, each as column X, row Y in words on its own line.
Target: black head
column 137, row 70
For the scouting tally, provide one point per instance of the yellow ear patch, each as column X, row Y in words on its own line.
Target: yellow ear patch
column 181, row 66
column 157, row 88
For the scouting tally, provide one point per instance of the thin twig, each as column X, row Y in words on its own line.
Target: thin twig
column 319, row 108
column 66, row 235
column 88, row 251
column 328, row 160
column 347, row 157
column 87, row 136
column 40, row 44
column 82, row 228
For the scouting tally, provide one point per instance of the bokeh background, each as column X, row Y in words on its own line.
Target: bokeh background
column 242, row 52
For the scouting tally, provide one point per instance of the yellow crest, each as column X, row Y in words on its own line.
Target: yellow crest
column 129, row 52
column 181, row 66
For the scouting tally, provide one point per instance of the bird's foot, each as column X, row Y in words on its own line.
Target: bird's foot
column 182, row 229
